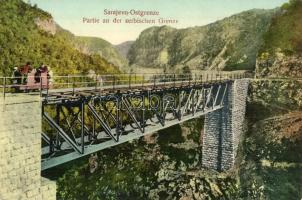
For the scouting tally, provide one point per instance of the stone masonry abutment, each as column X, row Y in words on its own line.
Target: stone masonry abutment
column 20, row 149
column 223, row 128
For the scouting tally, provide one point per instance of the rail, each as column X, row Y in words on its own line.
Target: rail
column 46, row 84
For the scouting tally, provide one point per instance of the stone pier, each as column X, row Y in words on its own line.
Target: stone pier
column 223, row 128
column 20, row 149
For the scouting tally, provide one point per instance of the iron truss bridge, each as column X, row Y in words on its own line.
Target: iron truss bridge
column 85, row 114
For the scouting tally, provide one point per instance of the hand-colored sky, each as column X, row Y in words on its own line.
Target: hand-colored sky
column 69, row 14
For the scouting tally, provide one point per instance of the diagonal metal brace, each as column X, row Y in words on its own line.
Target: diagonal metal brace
column 107, row 129
column 45, row 138
column 131, row 113
column 61, row 132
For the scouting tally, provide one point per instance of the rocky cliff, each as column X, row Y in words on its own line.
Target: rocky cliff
column 270, row 163
column 229, row 44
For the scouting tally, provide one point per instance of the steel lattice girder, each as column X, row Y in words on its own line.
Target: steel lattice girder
column 106, row 120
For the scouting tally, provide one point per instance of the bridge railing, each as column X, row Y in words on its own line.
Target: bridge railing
column 33, row 84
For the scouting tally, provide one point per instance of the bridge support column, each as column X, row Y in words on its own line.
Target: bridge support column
column 223, row 128
column 20, row 149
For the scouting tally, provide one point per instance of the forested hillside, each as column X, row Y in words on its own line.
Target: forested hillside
column 281, row 52
column 24, row 37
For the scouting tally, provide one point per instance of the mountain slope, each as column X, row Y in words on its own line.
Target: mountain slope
column 30, row 34
column 151, row 48
column 124, row 48
column 281, row 53
column 231, row 43
column 99, row 46
column 90, row 46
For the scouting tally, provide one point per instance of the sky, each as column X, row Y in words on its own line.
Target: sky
column 70, row 14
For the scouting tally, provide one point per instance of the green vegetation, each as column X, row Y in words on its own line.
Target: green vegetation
column 285, row 32
column 280, row 54
column 278, row 96
column 122, row 173
column 21, row 41
column 271, row 161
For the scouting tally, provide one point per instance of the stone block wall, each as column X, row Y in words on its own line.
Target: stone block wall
column 223, row 128
column 20, row 149
column 239, row 110
column 211, row 152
